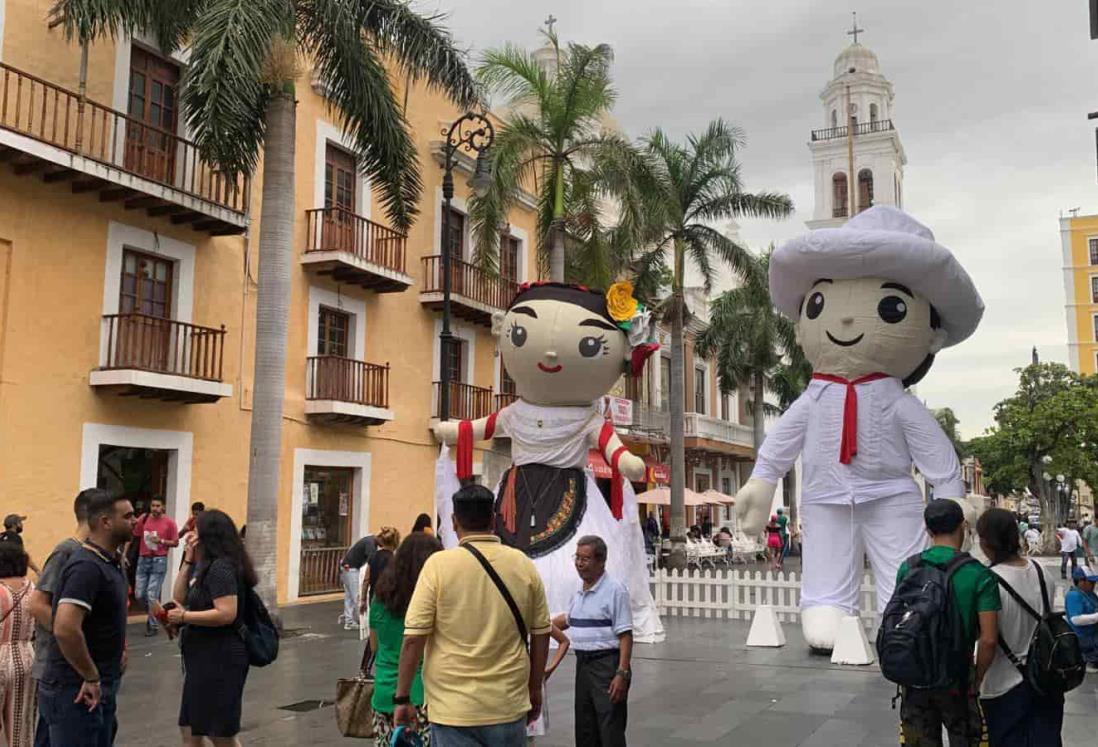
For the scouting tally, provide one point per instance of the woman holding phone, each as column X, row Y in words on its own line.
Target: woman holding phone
column 209, row 592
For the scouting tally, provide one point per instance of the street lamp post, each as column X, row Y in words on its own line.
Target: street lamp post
column 469, row 132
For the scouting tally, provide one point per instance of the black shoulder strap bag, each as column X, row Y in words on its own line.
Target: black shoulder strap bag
column 503, row 592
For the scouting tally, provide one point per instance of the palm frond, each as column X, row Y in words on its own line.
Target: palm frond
column 88, row 20
column 738, row 257
column 514, row 74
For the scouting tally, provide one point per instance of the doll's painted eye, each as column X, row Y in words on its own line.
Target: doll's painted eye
column 518, row 335
column 589, row 347
column 815, row 305
column 892, row 309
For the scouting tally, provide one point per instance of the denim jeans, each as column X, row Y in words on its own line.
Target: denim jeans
column 349, row 577
column 150, row 577
column 1064, row 558
column 72, row 724
column 491, row 735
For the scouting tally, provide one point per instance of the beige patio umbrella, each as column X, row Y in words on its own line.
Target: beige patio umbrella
column 661, row 496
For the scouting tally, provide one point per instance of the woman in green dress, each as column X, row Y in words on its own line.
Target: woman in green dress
column 392, row 592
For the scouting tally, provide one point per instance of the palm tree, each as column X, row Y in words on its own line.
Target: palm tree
column 238, row 97
column 554, row 138
column 694, row 185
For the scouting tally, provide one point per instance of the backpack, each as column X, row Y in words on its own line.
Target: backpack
column 1054, row 661
column 921, row 642
column 258, row 631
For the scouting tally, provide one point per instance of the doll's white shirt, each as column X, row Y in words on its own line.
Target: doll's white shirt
column 895, row 431
column 556, row 436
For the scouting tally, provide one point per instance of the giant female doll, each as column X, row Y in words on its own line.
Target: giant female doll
column 564, row 346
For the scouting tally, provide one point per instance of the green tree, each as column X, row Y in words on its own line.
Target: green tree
column 237, row 93
column 948, row 420
column 689, row 187
column 554, row 137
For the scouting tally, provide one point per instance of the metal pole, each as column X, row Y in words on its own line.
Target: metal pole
column 445, row 337
column 850, row 151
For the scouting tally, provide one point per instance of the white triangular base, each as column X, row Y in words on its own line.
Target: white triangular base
column 851, row 644
column 765, row 628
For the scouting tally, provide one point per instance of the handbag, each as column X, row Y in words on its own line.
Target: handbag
column 353, row 709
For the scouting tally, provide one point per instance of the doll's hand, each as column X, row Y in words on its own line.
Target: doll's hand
column 446, row 432
column 631, row 467
column 753, row 503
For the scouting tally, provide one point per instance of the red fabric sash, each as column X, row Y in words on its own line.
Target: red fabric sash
column 465, row 450
column 617, row 493
column 848, row 447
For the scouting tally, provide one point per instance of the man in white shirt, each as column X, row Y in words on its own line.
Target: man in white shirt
column 1069, row 543
column 874, row 301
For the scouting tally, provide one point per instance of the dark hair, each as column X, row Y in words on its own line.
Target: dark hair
column 218, row 538
column 595, row 542
column 397, row 582
column 474, row 507
column 943, row 516
column 198, row 506
column 921, row 370
column 100, row 504
column 83, row 502
column 999, row 534
column 423, row 521
column 578, row 295
column 13, row 560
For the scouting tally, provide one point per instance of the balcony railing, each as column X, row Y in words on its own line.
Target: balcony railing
column 469, row 281
column 505, row 398
column 336, row 229
column 331, row 377
column 862, row 128
column 467, row 402
column 650, row 421
column 63, row 119
column 163, row 346
column 715, row 429
column 320, row 570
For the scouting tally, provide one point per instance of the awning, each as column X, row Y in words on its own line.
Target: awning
column 656, row 471
column 598, row 464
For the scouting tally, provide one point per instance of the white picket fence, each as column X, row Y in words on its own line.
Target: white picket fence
column 735, row 594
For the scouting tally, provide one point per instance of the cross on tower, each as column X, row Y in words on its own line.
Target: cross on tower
column 551, row 21
column 854, row 31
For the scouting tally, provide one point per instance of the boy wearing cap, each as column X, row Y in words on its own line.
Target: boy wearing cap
column 874, row 302
column 13, row 532
column 1081, row 608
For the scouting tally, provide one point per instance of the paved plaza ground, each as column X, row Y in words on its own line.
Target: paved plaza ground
column 700, row 687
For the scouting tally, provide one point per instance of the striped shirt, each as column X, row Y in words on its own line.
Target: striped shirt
column 597, row 616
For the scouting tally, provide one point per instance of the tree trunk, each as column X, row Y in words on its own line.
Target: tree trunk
column 758, row 410
column 1050, row 544
column 556, row 253
column 676, row 398
column 272, row 317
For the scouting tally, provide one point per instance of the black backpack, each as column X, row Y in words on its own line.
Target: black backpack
column 921, row 641
column 258, row 631
column 1054, row 661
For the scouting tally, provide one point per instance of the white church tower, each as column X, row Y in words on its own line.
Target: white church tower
column 874, row 174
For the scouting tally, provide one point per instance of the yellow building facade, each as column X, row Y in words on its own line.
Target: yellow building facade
column 128, row 296
column 1079, row 247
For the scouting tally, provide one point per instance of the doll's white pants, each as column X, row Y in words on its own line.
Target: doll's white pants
column 836, row 537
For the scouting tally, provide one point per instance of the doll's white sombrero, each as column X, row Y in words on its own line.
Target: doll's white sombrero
column 883, row 242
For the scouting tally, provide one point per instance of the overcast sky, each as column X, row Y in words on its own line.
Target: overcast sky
column 991, row 103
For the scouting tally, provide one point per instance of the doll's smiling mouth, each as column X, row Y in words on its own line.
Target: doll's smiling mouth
column 548, row 369
column 842, row 343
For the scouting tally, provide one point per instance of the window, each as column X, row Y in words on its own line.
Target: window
column 333, row 332
column 340, row 178
column 456, row 233
column 1096, row 327
column 146, row 286
column 665, row 382
column 1094, row 288
column 834, row 118
column 838, row 195
column 509, row 257
column 455, row 360
column 865, row 189
column 150, row 134
column 699, row 390
column 1092, row 244
column 873, row 113
column 325, row 527
column 726, row 485
column 634, row 388
column 726, row 407
column 701, row 482
column 506, row 383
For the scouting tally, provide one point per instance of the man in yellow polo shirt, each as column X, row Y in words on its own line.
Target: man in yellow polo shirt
column 481, row 684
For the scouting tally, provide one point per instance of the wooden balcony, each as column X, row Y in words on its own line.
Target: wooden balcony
column 55, row 133
column 155, row 358
column 474, row 294
column 467, row 402
column 344, row 390
column 352, row 249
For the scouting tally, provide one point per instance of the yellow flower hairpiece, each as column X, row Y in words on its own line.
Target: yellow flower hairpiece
column 620, row 303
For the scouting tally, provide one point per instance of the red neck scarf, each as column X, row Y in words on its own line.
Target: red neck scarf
column 848, row 447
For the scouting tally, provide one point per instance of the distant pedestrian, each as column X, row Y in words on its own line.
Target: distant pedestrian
column 423, row 524
column 602, row 636
column 357, row 556
column 209, row 596
column 481, row 684
column 196, row 508
column 388, row 539
column 783, row 531
column 1090, row 542
column 156, row 534
column 42, row 598
column 651, row 531
column 774, row 543
column 13, row 532
column 1069, row 543
column 392, row 593
column 77, row 691
column 1081, row 609
column 1016, row 714
column 707, row 526
column 17, row 692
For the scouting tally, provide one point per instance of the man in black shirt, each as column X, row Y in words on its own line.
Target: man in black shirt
column 76, row 694
column 13, row 532
column 357, row 556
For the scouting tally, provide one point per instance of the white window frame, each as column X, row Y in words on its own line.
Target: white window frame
column 123, row 54
column 706, row 394
column 707, row 471
column 355, row 307
column 467, row 334
column 326, row 133
column 360, row 462
column 460, row 205
column 1094, row 324
column 1090, row 239
column 3, row 8
column 1093, row 288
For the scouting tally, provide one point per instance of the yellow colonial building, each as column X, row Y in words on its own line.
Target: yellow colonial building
column 128, row 296
column 1079, row 245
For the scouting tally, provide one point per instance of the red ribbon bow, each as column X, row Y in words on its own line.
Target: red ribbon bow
column 848, row 447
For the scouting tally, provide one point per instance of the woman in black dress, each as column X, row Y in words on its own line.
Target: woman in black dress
column 210, row 593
